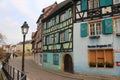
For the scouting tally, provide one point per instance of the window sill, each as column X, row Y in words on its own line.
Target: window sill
column 94, row 37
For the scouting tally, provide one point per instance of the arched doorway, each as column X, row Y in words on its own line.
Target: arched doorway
column 68, row 63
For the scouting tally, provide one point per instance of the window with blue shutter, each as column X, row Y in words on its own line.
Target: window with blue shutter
column 57, row 38
column 84, row 29
column 67, row 35
column 105, row 2
column 84, row 5
column 107, row 26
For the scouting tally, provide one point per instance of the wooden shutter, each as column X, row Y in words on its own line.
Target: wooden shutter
column 109, row 56
column 84, row 5
column 100, row 56
column 107, row 26
column 83, row 29
column 105, row 2
column 92, row 56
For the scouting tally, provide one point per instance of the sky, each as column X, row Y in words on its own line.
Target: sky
column 13, row 13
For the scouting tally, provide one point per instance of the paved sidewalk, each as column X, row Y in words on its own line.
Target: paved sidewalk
column 36, row 72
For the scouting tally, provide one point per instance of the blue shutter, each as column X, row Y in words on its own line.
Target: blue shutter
column 83, row 29
column 67, row 35
column 57, row 38
column 105, row 2
column 107, row 26
column 84, row 5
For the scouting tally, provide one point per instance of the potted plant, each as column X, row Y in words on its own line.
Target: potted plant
column 100, row 64
column 110, row 65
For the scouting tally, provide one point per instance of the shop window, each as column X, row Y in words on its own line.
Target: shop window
column 101, row 58
column 93, row 4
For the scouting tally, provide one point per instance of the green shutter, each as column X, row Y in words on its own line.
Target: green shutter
column 57, row 38
column 67, row 35
column 105, row 2
column 107, row 26
column 84, row 5
column 83, row 29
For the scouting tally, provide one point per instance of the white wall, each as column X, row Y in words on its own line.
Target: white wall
column 80, row 51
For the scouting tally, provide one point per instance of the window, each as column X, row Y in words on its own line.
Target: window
column 44, row 57
column 93, row 4
column 117, row 25
column 62, row 36
column 56, row 59
column 116, row 1
column 62, row 17
column 95, row 29
column 47, row 39
column 101, row 58
column 48, row 24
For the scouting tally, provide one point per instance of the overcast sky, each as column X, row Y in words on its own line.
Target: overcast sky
column 13, row 13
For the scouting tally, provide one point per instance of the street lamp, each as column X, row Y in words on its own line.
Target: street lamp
column 24, row 28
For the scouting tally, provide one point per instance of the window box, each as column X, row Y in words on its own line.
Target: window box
column 109, row 65
column 100, row 64
column 117, row 34
column 92, row 64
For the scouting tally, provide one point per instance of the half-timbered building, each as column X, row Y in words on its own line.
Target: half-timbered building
column 58, row 38
column 96, row 36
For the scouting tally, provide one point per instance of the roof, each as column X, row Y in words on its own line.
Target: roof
column 59, row 6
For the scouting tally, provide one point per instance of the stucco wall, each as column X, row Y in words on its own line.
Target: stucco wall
column 80, row 50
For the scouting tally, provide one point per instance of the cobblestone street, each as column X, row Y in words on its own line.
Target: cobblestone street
column 36, row 72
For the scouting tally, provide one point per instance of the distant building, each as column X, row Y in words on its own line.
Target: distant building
column 28, row 47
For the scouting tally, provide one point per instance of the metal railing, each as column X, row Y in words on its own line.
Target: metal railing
column 11, row 72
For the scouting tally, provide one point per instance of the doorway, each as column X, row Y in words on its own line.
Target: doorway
column 68, row 63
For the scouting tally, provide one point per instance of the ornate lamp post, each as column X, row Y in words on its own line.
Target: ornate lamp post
column 24, row 28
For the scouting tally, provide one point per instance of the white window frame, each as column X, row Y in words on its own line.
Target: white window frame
column 93, row 4
column 116, row 1
column 62, row 36
column 95, row 30
column 117, row 25
column 62, row 17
